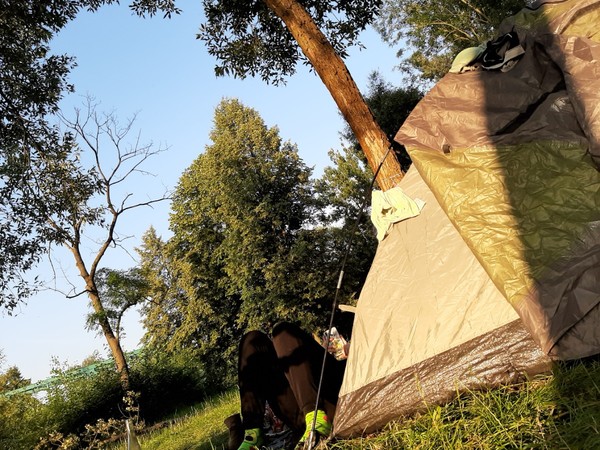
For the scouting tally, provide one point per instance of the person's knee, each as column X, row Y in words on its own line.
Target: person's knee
column 253, row 334
column 287, row 329
column 252, row 340
column 291, row 343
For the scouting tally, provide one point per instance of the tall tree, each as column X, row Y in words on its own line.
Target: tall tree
column 436, row 30
column 99, row 211
column 262, row 37
column 10, row 378
column 244, row 252
column 163, row 314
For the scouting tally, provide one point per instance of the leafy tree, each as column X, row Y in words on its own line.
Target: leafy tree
column 243, row 253
column 120, row 291
column 93, row 358
column 435, row 31
column 252, row 194
column 12, row 379
column 17, row 429
column 32, row 82
column 264, row 38
column 163, row 313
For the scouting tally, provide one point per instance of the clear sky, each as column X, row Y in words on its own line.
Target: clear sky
column 157, row 69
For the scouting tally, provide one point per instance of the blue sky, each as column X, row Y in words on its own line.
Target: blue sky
column 157, row 69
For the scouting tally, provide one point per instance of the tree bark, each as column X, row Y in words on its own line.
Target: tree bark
column 335, row 75
column 113, row 342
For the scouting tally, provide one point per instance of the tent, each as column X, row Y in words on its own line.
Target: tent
column 499, row 273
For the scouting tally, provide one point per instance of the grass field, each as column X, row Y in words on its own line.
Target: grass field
column 555, row 411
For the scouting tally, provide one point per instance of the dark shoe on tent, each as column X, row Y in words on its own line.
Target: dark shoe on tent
column 501, row 51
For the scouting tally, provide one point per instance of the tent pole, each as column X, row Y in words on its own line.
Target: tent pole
column 312, row 436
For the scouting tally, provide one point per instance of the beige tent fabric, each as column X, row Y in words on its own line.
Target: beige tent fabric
column 428, row 320
column 520, row 182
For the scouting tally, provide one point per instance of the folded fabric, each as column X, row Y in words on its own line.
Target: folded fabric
column 390, row 207
column 501, row 53
column 465, row 59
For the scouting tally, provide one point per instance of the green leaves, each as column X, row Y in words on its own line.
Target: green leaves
column 240, row 205
column 33, row 154
column 435, row 31
column 119, row 291
column 248, row 39
column 246, row 250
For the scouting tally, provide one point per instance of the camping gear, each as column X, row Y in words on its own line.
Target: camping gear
column 499, row 274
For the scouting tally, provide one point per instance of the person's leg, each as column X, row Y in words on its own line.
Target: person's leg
column 260, row 379
column 301, row 358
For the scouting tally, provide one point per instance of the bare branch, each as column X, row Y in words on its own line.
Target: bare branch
column 455, row 29
column 148, row 203
column 77, row 294
column 110, row 167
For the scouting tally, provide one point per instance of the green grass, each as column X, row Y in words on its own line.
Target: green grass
column 201, row 429
column 555, row 411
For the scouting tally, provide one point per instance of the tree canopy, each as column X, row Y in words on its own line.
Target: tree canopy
column 12, row 379
column 32, row 151
column 435, row 31
column 249, row 39
column 246, row 250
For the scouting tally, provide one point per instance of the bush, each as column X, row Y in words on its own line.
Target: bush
column 166, row 383
column 18, row 427
column 84, row 406
column 80, row 399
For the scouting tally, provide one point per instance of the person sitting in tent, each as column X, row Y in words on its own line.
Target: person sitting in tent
column 284, row 372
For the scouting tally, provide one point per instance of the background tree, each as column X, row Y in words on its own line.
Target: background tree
column 93, row 358
column 245, row 252
column 435, row 31
column 97, row 209
column 12, row 379
column 164, row 312
column 120, row 291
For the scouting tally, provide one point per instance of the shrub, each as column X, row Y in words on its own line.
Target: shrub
column 167, row 382
column 83, row 407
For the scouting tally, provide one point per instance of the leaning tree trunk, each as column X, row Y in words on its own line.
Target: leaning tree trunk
column 113, row 342
column 334, row 74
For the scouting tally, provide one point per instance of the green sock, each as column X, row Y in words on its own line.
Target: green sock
column 252, row 439
column 322, row 424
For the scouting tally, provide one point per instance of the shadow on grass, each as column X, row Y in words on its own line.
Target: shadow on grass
column 575, row 390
